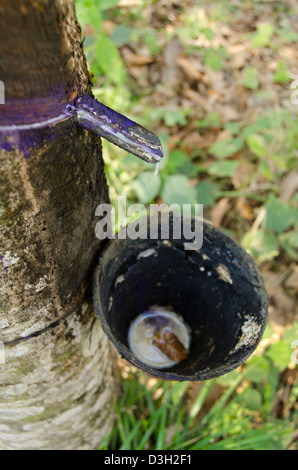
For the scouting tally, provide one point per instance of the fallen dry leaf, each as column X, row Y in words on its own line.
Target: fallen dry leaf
column 197, row 99
column 244, row 208
column 195, row 140
column 292, row 281
column 224, row 135
column 171, row 72
column 289, row 186
column 227, row 113
column 108, row 27
column 189, row 68
column 282, row 309
column 242, row 174
column 218, row 212
column 130, row 58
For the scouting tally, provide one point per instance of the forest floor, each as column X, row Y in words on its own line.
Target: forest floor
column 217, row 82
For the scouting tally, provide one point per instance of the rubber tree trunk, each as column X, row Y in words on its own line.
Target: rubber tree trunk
column 57, row 373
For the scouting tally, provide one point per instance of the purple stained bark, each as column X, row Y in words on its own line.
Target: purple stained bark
column 26, row 124
column 36, row 119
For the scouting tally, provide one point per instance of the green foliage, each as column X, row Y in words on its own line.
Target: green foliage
column 279, row 215
column 281, row 76
column 289, row 242
column 102, row 53
column 224, row 168
column 250, row 78
column 170, row 116
column 279, row 354
column 287, row 34
column 179, row 162
column 226, row 148
column 89, row 12
column 146, row 186
column 106, row 4
column 121, row 35
column 262, row 245
column 269, row 142
column 256, row 144
column 178, row 190
column 155, row 416
column 213, row 58
column 263, row 35
column 109, row 59
column 207, row 193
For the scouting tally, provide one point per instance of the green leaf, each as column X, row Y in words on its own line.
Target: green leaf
column 287, row 35
column 256, row 144
column 208, row 33
column 213, row 119
column 279, row 215
column 263, row 35
column 179, row 162
column 289, row 242
column 109, row 59
column 261, row 125
column 178, row 190
column 171, row 116
column 291, row 333
column 121, row 35
column 269, row 331
column 257, row 369
column 280, row 353
column 290, row 238
column 223, row 168
column 174, row 116
column 207, row 193
column 177, row 158
column 106, row 4
column 234, row 127
column 250, row 78
column 151, row 40
column 226, row 148
column 188, row 169
column 282, row 75
column 294, row 211
column 252, row 399
column 213, row 59
column 89, row 13
column 146, row 186
column 265, row 170
column 262, row 245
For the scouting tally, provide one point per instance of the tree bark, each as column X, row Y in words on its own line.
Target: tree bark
column 57, row 378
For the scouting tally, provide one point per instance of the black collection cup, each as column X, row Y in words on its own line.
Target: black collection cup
column 216, row 289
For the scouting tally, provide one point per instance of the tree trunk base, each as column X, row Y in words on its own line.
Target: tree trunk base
column 39, row 409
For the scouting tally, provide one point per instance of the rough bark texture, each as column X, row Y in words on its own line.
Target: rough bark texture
column 58, row 383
